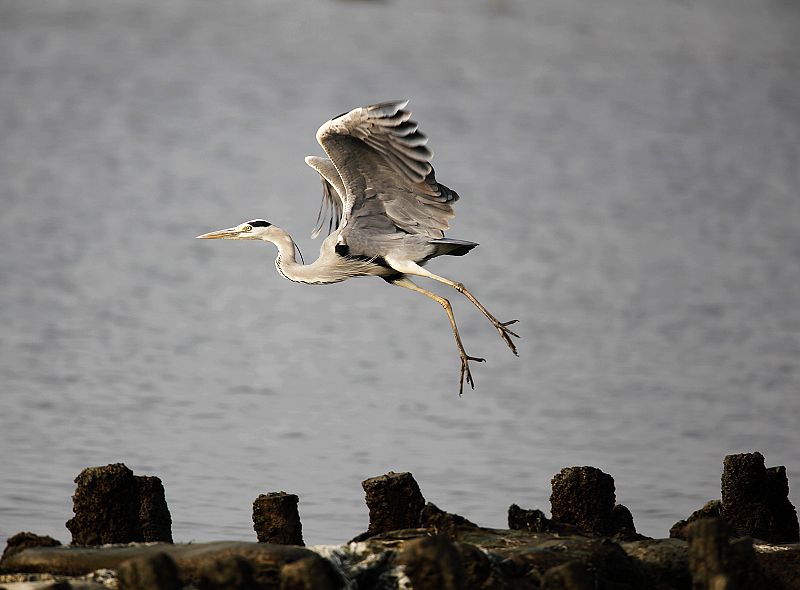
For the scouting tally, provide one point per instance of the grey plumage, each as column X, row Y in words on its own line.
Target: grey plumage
column 332, row 188
column 386, row 213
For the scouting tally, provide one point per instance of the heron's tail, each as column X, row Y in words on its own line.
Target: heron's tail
column 452, row 247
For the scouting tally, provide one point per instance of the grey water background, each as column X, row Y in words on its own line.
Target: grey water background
column 631, row 170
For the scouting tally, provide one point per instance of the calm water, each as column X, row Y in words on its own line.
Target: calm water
column 630, row 170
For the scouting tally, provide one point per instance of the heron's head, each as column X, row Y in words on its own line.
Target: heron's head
column 255, row 229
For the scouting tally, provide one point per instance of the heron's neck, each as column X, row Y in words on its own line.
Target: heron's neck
column 287, row 264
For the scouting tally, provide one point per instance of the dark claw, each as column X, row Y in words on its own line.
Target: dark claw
column 465, row 371
column 506, row 334
column 502, row 327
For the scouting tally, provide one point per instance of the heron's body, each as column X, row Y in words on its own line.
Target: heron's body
column 387, row 212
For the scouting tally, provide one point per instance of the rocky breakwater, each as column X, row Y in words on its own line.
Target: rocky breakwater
column 588, row 542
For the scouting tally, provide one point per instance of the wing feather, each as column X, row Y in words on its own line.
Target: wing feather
column 330, row 208
column 383, row 163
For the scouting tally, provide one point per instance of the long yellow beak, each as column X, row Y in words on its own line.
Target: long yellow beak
column 221, row 234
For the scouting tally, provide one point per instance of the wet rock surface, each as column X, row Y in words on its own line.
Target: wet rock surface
column 277, row 520
column 194, row 562
column 440, row 522
column 149, row 572
column 25, row 540
column 780, row 564
column 112, row 505
column 480, row 558
column 680, row 530
column 432, row 563
column 717, row 562
column 310, row 573
column 534, row 521
column 227, row 573
column 595, row 546
column 664, row 561
column 572, row 575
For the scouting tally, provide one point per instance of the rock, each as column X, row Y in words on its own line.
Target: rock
column 479, row 572
column 150, row 572
column 613, row 568
column 52, row 585
column 572, row 575
column 536, row 554
column 432, row 563
column 715, row 563
column 365, row 564
column 744, row 490
column 394, row 501
column 154, row 517
column 112, row 505
column 228, row 573
column 395, row 504
column 518, row 574
column 276, row 519
column 528, row 520
column 442, row 523
column 22, row 541
column 585, row 497
column 106, row 506
column 783, row 523
column 679, row 530
column 310, row 573
column 622, row 518
column 622, row 524
column 192, row 560
column 266, row 560
column 665, row 561
column 781, row 565
column 484, row 559
column 534, row 521
column 755, row 500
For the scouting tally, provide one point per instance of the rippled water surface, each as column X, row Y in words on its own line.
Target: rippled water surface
column 630, row 170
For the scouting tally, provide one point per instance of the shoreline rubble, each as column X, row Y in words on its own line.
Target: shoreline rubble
column 748, row 539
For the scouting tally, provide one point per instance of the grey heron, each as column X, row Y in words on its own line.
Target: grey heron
column 386, row 213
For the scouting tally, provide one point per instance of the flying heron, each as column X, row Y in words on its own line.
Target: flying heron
column 386, row 213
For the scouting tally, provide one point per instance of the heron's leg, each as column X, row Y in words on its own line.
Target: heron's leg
column 502, row 327
column 465, row 358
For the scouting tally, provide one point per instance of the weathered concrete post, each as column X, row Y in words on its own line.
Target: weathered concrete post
column 394, row 501
column 112, row 505
column 584, row 497
column 276, row 519
column 755, row 499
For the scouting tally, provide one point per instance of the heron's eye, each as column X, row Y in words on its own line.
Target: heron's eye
column 247, row 228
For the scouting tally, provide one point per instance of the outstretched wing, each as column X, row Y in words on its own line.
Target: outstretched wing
column 330, row 209
column 388, row 182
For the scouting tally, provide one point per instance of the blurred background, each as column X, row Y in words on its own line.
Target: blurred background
column 629, row 168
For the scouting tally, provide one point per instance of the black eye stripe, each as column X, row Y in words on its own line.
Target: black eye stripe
column 259, row 223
